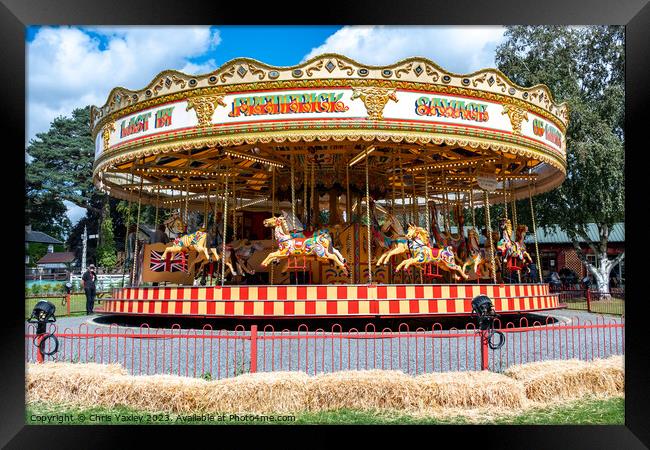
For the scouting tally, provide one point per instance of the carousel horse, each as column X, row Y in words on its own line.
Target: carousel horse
column 185, row 243
column 446, row 238
column 175, row 224
column 506, row 248
column 319, row 245
column 521, row 252
column 423, row 253
column 477, row 257
column 200, row 259
column 390, row 235
column 243, row 250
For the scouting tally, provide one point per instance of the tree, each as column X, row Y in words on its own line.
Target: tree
column 583, row 66
column 46, row 213
column 62, row 161
column 106, row 252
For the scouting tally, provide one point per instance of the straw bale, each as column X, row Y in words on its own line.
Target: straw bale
column 479, row 394
column 369, row 389
column 280, row 392
column 569, row 379
column 470, row 390
column 63, row 382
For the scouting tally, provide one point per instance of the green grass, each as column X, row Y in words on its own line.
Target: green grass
column 77, row 305
column 582, row 412
column 614, row 306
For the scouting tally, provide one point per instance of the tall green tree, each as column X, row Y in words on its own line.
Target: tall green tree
column 583, row 66
column 47, row 213
column 62, row 160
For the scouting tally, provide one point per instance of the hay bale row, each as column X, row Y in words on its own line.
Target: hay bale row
column 287, row 392
column 562, row 380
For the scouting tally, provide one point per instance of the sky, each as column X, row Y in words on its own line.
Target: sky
column 71, row 67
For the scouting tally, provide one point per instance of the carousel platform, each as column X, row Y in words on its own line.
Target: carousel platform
column 318, row 301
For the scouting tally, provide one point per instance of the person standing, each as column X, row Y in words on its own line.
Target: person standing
column 159, row 236
column 89, row 283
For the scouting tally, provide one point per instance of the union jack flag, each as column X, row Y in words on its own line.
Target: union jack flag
column 176, row 262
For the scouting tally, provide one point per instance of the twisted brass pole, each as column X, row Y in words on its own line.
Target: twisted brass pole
column 368, row 222
column 532, row 213
column 489, row 231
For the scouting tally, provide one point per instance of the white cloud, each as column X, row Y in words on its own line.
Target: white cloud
column 70, row 67
column 456, row 49
column 75, row 213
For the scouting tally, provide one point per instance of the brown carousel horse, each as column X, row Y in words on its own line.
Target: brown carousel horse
column 477, row 257
column 446, row 238
column 318, row 245
column 423, row 253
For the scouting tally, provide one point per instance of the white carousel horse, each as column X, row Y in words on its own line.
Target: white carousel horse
column 319, row 245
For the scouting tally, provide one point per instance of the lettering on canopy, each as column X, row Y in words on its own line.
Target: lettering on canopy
column 549, row 132
column 454, row 109
column 310, row 102
column 140, row 123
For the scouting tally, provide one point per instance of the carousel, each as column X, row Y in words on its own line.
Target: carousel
column 330, row 189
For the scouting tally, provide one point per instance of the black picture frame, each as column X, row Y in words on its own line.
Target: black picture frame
column 15, row 15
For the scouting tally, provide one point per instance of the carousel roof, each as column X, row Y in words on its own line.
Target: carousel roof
column 423, row 130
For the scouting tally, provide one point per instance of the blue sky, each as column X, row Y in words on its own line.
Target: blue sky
column 71, row 67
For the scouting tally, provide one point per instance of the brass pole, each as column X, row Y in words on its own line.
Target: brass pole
column 532, row 214
column 273, row 210
column 489, row 236
column 225, row 231
column 137, row 227
column 368, row 220
column 126, row 235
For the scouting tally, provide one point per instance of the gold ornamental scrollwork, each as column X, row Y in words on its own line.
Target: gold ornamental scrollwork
column 106, row 133
column 204, row 107
column 375, row 99
column 517, row 116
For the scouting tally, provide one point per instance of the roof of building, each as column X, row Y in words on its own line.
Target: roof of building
column 557, row 236
column 57, row 258
column 39, row 236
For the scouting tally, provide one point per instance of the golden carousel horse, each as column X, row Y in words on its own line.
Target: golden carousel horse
column 174, row 224
column 194, row 241
column 319, row 245
column 423, row 253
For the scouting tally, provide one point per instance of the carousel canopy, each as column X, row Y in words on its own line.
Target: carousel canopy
column 421, row 130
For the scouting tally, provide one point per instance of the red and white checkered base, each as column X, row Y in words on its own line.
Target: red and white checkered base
column 282, row 301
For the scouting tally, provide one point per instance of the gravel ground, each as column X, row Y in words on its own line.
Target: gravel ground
column 222, row 353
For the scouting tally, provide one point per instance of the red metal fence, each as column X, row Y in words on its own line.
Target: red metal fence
column 612, row 302
column 219, row 354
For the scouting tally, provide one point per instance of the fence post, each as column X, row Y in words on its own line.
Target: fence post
column 68, row 299
column 588, row 299
column 39, row 354
column 253, row 365
column 484, row 350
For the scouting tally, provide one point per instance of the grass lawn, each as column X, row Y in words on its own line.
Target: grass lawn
column 613, row 306
column 582, row 412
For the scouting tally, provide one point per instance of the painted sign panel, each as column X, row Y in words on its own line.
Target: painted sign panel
column 295, row 106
